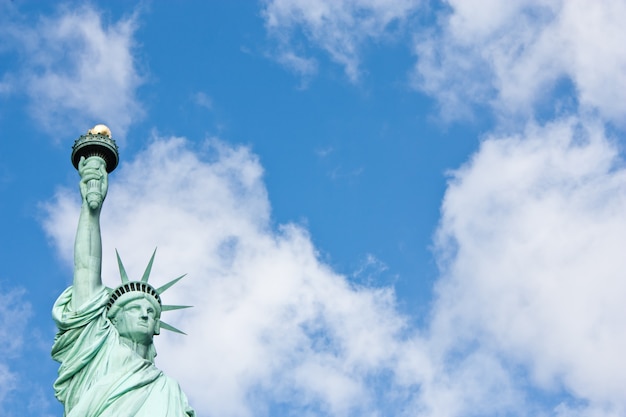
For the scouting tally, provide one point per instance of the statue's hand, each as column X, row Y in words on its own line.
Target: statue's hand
column 93, row 181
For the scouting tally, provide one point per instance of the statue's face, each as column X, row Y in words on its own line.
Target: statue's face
column 138, row 321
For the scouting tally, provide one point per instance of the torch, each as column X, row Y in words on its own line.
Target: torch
column 97, row 143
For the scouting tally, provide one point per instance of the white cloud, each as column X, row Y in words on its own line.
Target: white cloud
column 6, row 86
column 8, row 382
column 304, row 67
column 531, row 295
column 203, row 100
column 339, row 27
column 514, row 55
column 14, row 315
column 532, row 235
column 77, row 70
column 271, row 322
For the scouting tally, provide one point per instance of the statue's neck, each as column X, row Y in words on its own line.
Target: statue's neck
column 142, row 350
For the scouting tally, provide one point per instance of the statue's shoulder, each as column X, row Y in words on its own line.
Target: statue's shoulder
column 66, row 317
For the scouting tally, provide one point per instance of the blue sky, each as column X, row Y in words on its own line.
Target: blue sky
column 385, row 208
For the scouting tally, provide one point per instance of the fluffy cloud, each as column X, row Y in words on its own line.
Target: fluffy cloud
column 14, row 315
column 531, row 241
column 340, row 28
column 518, row 56
column 530, row 297
column 271, row 323
column 77, row 70
column 515, row 57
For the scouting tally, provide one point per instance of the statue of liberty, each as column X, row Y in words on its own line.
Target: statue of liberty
column 105, row 336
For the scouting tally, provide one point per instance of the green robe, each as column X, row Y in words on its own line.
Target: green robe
column 99, row 375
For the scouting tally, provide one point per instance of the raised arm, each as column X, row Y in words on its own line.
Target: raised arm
column 88, row 243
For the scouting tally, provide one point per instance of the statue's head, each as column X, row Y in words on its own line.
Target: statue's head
column 135, row 311
column 135, row 307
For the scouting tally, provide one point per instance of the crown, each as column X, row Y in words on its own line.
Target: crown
column 129, row 287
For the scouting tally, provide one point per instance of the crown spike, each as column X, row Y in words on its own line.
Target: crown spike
column 146, row 273
column 171, row 328
column 122, row 270
column 165, row 287
column 173, row 307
